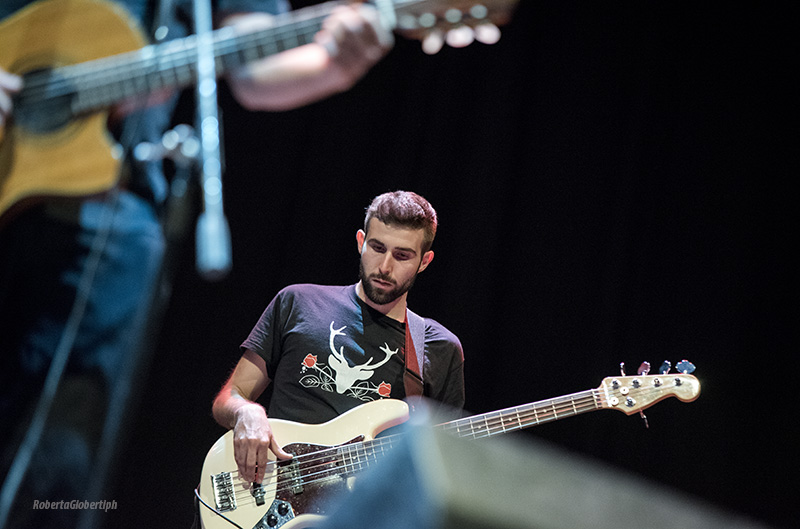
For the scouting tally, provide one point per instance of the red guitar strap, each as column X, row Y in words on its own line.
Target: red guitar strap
column 415, row 353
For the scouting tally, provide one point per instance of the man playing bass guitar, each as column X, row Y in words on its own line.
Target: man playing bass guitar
column 327, row 349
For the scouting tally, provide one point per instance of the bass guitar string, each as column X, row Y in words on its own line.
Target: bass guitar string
column 348, row 459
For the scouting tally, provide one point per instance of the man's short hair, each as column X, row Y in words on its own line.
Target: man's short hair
column 405, row 209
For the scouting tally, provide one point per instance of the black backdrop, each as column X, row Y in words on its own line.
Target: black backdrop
column 613, row 181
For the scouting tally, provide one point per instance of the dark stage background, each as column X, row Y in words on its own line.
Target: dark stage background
column 614, row 184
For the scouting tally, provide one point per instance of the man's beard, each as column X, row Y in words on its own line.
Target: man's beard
column 381, row 297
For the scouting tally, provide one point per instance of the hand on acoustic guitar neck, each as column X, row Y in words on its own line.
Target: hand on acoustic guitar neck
column 9, row 85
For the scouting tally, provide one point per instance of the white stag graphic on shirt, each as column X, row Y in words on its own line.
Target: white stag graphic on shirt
column 340, row 377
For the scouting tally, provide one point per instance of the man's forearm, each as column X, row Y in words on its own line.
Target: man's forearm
column 352, row 41
column 229, row 405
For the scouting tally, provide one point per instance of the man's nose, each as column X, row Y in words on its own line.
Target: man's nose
column 386, row 264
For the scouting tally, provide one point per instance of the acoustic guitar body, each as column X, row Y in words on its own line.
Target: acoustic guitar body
column 43, row 155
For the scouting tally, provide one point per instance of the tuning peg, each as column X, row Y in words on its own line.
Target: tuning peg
column 487, row 33
column 643, row 370
column 433, row 42
column 460, row 37
column 665, row 367
column 685, row 367
column 622, row 368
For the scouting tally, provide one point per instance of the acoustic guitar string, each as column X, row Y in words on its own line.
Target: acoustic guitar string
column 114, row 75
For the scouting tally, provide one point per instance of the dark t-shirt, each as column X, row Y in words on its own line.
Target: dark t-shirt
column 327, row 351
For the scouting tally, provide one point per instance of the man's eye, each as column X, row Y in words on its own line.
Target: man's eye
column 402, row 256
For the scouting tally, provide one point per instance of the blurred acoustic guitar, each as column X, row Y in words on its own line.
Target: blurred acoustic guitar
column 79, row 58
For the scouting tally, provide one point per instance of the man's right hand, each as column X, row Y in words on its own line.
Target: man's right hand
column 235, row 408
column 253, row 441
column 9, row 85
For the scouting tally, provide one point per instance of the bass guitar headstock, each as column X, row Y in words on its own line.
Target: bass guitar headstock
column 632, row 394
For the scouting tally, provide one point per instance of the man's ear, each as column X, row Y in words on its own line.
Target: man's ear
column 427, row 257
column 360, row 238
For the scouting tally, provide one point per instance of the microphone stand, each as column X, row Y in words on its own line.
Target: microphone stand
column 213, row 238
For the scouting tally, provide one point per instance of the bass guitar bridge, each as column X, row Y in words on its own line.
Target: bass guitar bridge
column 224, row 497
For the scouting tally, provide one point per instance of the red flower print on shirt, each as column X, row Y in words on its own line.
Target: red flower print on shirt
column 310, row 360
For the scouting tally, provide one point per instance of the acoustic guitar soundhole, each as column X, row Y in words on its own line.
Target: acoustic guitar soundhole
column 45, row 103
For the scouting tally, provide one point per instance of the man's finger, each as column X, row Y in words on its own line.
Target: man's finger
column 279, row 451
column 261, row 464
column 10, row 82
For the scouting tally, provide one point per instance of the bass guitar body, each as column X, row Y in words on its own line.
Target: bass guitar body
column 294, row 494
column 41, row 154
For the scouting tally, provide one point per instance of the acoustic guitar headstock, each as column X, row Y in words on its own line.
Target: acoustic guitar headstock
column 457, row 22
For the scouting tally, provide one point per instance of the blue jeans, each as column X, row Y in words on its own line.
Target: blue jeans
column 43, row 255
